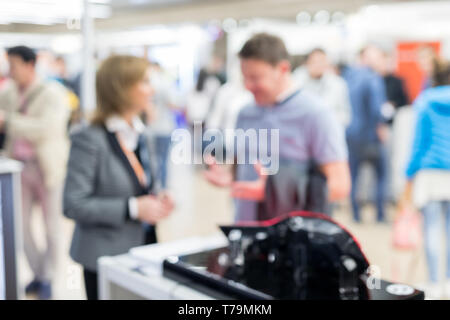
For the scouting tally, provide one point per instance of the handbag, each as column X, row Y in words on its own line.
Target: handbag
column 407, row 232
column 22, row 149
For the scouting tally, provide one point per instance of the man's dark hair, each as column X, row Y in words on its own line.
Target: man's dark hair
column 60, row 59
column 155, row 63
column 265, row 47
column 25, row 53
column 201, row 80
column 315, row 50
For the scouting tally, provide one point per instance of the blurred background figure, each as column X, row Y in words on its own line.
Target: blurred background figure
column 5, row 81
column 383, row 64
column 426, row 58
column 395, row 89
column 59, row 73
column 366, row 133
column 3, row 70
column 428, row 173
column 200, row 101
column 317, row 77
column 229, row 101
column 396, row 99
column 34, row 116
column 163, row 118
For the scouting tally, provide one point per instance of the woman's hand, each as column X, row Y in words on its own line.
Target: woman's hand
column 166, row 200
column 383, row 133
column 405, row 200
column 152, row 209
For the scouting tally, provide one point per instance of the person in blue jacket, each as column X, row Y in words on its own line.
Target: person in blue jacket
column 428, row 173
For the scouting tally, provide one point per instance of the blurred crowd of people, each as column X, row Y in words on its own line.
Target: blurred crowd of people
column 110, row 175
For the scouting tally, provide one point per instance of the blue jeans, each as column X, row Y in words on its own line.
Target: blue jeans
column 162, row 154
column 379, row 163
column 432, row 224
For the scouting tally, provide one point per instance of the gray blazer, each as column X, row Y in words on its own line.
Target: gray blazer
column 98, row 185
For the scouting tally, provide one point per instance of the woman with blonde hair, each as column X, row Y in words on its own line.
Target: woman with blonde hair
column 111, row 188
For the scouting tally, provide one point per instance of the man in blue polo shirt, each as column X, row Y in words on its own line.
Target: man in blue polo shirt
column 308, row 134
column 367, row 132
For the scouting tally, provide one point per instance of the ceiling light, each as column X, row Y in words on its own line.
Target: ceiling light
column 229, row 25
column 303, row 18
column 338, row 17
column 322, row 17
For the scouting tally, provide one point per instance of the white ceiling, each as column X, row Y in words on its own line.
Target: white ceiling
column 44, row 16
column 57, row 16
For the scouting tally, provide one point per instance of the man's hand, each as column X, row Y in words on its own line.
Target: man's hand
column 383, row 132
column 152, row 209
column 251, row 190
column 216, row 174
column 338, row 180
column 405, row 201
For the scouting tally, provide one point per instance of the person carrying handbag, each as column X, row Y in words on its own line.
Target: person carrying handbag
column 428, row 173
column 34, row 118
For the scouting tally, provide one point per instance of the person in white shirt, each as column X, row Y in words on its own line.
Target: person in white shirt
column 316, row 77
column 229, row 101
column 34, row 116
column 163, row 119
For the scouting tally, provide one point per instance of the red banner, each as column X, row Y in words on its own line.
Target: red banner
column 409, row 67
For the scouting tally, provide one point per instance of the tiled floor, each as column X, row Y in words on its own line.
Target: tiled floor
column 201, row 207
